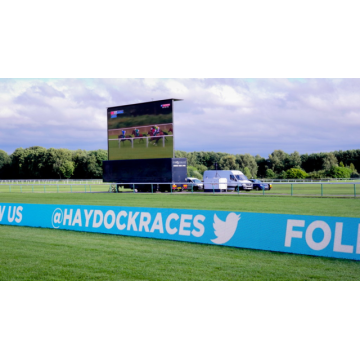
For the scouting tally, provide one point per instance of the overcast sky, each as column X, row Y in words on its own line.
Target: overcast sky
column 237, row 116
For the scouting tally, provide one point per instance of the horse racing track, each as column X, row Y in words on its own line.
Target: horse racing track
column 140, row 148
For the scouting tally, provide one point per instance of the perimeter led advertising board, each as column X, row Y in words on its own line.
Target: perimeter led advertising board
column 141, row 131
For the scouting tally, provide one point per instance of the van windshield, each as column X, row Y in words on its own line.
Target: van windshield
column 241, row 177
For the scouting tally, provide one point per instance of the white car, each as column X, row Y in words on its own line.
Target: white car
column 196, row 183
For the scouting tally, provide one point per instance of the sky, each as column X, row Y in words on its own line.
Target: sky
column 232, row 115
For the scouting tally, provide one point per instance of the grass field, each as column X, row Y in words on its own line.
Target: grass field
column 305, row 189
column 46, row 254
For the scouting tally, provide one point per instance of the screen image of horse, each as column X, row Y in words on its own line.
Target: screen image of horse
column 143, row 142
column 141, row 131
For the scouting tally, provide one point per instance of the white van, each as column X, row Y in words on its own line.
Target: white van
column 235, row 179
column 215, row 184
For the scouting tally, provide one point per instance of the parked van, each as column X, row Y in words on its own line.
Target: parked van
column 235, row 179
column 215, row 185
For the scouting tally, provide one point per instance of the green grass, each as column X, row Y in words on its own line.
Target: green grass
column 315, row 189
column 276, row 204
column 44, row 254
column 48, row 254
column 328, row 190
column 140, row 150
column 53, row 188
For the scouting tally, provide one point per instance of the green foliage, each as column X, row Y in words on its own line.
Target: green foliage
column 341, row 164
column 247, row 173
column 321, row 174
column 192, row 171
column 340, row 172
column 4, row 163
column 228, row 162
column 37, row 162
column 282, row 175
column 247, row 161
column 295, row 173
column 329, row 161
column 4, row 158
column 270, row 174
column 278, row 160
column 294, row 160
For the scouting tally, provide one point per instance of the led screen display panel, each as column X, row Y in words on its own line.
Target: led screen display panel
column 141, row 131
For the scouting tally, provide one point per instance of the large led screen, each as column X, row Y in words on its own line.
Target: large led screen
column 141, row 131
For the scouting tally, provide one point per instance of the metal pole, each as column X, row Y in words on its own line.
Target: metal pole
column 264, row 190
column 292, row 189
column 322, row 190
column 152, row 188
column 354, row 190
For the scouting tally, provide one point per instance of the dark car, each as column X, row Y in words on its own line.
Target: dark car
column 259, row 185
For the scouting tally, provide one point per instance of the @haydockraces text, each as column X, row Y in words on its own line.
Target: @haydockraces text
column 272, row 341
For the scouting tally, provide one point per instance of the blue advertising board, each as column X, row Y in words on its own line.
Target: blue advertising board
column 328, row 236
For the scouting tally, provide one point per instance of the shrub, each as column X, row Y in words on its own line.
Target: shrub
column 270, row 174
column 340, row 172
column 295, row 173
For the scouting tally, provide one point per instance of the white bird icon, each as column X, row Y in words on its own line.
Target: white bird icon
column 225, row 230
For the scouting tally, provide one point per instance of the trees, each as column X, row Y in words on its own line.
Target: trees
column 95, row 159
column 278, row 160
column 60, row 160
column 294, row 160
column 247, row 173
column 270, row 174
column 228, row 162
column 247, row 161
column 4, row 164
column 329, row 161
column 38, row 162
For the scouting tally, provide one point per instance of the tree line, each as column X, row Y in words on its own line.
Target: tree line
column 278, row 165
column 37, row 162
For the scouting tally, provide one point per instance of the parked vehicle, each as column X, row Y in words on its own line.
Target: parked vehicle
column 179, row 187
column 259, row 185
column 215, row 184
column 235, row 179
column 195, row 183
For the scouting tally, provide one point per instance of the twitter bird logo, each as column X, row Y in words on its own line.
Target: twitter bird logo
column 225, row 230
